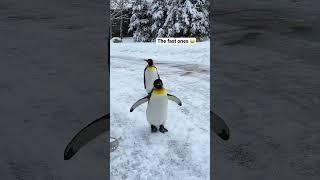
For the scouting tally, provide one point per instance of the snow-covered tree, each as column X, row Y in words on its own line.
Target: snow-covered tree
column 199, row 15
column 158, row 13
column 187, row 18
column 140, row 21
column 118, row 7
column 169, row 18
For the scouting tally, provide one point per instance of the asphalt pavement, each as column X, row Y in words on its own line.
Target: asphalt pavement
column 266, row 86
column 52, row 84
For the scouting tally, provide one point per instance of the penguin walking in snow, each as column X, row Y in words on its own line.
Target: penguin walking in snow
column 157, row 106
column 150, row 75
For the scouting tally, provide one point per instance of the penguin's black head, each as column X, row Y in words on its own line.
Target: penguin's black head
column 157, row 84
column 149, row 61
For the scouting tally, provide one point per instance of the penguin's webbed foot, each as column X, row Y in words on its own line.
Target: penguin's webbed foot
column 153, row 129
column 162, row 129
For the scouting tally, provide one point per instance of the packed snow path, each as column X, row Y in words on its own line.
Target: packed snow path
column 184, row 151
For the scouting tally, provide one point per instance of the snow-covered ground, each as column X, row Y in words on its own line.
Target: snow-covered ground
column 184, row 151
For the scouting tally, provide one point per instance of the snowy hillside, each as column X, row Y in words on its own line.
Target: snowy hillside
column 184, row 151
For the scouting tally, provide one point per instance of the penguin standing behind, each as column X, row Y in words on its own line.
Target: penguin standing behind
column 150, row 75
column 157, row 106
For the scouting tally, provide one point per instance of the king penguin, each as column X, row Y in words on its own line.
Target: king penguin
column 150, row 75
column 157, row 106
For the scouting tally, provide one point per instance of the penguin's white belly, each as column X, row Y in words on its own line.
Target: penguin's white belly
column 150, row 77
column 157, row 110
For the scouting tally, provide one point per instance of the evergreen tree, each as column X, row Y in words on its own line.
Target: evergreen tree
column 140, row 21
column 198, row 12
column 187, row 18
column 172, row 13
column 158, row 14
column 169, row 18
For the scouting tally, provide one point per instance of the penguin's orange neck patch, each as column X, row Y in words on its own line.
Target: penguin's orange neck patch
column 152, row 68
column 159, row 91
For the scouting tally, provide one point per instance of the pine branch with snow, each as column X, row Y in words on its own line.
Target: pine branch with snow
column 187, row 18
column 140, row 21
column 158, row 14
column 169, row 18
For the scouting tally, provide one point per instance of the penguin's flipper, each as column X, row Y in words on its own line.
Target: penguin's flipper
column 144, row 78
column 157, row 73
column 139, row 102
column 90, row 132
column 175, row 99
column 220, row 127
